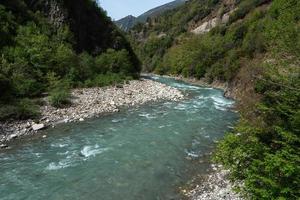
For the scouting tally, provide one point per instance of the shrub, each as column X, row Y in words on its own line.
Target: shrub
column 21, row 109
column 114, row 62
column 7, row 27
column 27, row 109
column 85, row 67
column 63, row 60
column 26, row 86
column 244, row 8
column 59, row 91
column 7, row 112
column 102, row 80
column 5, row 87
column 60, row 97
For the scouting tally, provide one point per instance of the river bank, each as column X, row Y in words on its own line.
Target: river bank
column 214, row 186
column 90, row 103
column 228, row 90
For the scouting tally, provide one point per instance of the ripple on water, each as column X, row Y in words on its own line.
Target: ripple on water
column 192, row 154
column 89, row 151
column 76, row 157
column 222, row 103
column 59, row 145
column 181, row 106
column 185, row 86
column 118, row 120
column 60, row 165
column 148, row 116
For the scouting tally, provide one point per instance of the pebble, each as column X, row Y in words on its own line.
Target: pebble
column 91, row 102
column 216, row 186
column 81, row 119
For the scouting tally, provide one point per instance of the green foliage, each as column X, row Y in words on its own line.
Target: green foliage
column 162, row 30
column 59, row 91
column 102, row 80
column 39, row 57
column 283, row 26
column 263, row 150
column 5, row 87
column 265, row 153
column 244, row 8
column 7, row 27
column 26, row 109
column 267, row 156
column 115, row 62
column 20, row 110
column 60, row 97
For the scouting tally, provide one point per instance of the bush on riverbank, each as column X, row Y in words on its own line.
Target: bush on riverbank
column 59, row 96
column 107, row 79
column 264, row 152
column 19, row 110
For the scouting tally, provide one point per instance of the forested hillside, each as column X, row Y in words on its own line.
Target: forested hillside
column 50, row 46
column 253, row 47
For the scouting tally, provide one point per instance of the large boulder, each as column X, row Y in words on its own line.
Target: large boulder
column 37, row 127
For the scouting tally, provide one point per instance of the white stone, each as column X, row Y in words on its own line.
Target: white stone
column 37, row 127
column 12, row 136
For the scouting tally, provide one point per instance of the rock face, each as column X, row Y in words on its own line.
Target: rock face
column 92, row 102
column 206, row 26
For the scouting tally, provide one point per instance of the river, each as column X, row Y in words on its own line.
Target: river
column 140, row 153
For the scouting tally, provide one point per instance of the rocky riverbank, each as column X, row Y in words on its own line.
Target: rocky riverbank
column 215, row 186
column 202, row 82
column 89, row 103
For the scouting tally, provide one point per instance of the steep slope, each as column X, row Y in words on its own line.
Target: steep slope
column 94, row 32
column 53, row 45
column 253, row 48
column 159, row 10
column 128, row 22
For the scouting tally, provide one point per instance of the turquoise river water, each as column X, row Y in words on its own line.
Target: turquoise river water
column 141, row 153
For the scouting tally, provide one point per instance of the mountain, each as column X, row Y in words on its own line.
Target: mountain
column 51, row 46
column 251, row 48
column 128, row 22
column 159, row 10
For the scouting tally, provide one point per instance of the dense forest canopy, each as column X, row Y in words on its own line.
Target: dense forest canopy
column 256, row 52
column 53, row 45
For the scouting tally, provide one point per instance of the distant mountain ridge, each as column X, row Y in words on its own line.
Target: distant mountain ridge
column 126, row 23
column 129, row 21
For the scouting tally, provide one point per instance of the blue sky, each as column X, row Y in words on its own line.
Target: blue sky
column 118, row 9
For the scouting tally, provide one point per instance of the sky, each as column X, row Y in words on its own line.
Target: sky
column 118, row 9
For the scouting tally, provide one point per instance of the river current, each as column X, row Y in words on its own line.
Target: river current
column 141, row 153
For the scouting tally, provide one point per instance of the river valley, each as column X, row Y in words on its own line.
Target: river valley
column 141, row 153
